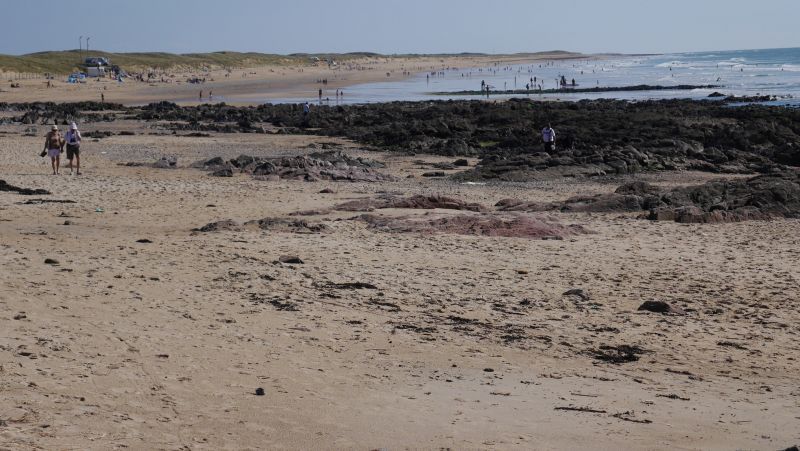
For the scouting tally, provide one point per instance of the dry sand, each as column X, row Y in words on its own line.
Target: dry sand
column 466, row 342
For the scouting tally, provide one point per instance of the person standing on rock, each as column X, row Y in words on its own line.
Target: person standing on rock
column 53, row 144
column 549, row 139
column 73, row 139
column 306, row 111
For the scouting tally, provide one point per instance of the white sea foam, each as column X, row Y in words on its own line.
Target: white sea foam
column 672, row 64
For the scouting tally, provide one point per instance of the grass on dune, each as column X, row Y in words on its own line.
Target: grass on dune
column 64, row 62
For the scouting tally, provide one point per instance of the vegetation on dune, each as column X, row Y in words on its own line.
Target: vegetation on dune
column 64, row 62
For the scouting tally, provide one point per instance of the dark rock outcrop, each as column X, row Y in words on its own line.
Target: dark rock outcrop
column 599, row 203
column 286, row 225
column 330, row 165
column 218, row 226
column 598, row 137
column 775, row 195
column 658, row 307
column 267, row 224
column 762, row 197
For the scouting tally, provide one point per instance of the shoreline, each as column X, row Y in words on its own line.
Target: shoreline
column 571, row 90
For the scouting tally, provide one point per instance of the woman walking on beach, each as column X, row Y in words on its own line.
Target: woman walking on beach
column 53, row 143
column 73, row 139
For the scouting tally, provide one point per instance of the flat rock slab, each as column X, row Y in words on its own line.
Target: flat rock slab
column 484, row 224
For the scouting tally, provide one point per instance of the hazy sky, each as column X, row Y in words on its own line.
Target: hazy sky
column 399, row 26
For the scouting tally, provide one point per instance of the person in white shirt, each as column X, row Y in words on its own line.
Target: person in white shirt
column 549, row 138
column 73, row 139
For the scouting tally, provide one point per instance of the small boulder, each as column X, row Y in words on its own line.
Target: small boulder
column 658, row 307
column 242, row 161
column 166, row 163
column 578, row 292
column 290, row 259
column 227, row 224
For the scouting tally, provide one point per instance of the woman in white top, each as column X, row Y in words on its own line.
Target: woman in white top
column 73, row 139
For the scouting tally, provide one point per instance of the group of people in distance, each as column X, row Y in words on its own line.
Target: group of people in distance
column 54, row 144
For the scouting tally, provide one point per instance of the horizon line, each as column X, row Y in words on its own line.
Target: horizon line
column 394, row 54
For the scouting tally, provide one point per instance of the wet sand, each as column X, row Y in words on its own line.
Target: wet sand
column 465, row 342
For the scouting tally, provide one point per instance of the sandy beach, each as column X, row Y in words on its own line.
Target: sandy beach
column 144, row 334
column 247, row 86
column 389, row 226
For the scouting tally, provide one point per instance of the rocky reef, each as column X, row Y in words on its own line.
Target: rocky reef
column 597, row 137
column 767, row 196
column 328, row 165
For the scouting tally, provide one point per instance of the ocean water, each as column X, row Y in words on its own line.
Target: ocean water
column 742, row 73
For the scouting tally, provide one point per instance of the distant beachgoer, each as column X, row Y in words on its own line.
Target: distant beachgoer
column 320, row 95
column 53, row 143
column 549, row 138
column 73, row 139
column 102, row 98
column 210, row 96
column 200, row 97
column 306, row 111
